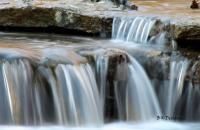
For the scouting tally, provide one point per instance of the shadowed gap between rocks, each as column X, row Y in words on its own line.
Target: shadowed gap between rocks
column 50, row 29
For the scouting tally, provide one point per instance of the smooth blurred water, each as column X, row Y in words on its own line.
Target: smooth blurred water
column 157, row 125
column 132, row 29
column 65, row 88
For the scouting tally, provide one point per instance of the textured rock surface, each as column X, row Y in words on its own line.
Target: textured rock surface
column 94, row 17
column 186, row 20
column 76, row 15
column 27, row 17
column 187, row 31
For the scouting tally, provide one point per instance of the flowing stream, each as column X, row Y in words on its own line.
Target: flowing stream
column 54, row 82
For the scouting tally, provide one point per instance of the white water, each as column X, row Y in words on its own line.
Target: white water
column 143, row 30
column 74, row 95
column 158, row 125
column 17, row 84
column 192, row 103
column 132, row 29
column 178, row 72
column 142, row 103
column 102, row 70
column 80, row 98
column 68, row 95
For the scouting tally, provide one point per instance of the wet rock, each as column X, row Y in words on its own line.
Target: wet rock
column 187, row 31
column 115, row 58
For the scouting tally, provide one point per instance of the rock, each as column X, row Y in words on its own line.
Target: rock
column 196, row 72
column 54, row 15
column 184, row 31
column 131, row 6
column 94, row 18
column 194, row 5
column 27, row 17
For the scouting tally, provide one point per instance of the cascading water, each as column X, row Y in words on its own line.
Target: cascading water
column 119, row 72
column 58, row 91
column 102, row 69
column 192, row 103
column 178, row 72
column 16, row 86
column 71, row 93
column 79, row 95
column 175, row 92
column 141, row 102
column 178, row 97
column 132, row 29
column 136, row 99
column 143, row 30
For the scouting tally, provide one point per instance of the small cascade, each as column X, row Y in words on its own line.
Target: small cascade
column 79, row 95
column 142, row 102
column 143, row 30
column 132, row 29
column 124, row 87
column 64, row 95
column 101, row 75
column 81, row 86
column 16, row 89
column 180, row 95
column 192, row 103
column 178, row 70
column 135, row 95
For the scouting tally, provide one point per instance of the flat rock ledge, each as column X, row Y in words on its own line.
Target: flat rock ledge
column 53, row 17
column 88, row 17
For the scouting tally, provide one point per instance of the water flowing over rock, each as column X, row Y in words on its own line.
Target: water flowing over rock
column 174, row 91
column 135, row 30
column 143, row 30
column 63, row 96
column 62, row 83
column 141, row 100
column 73, row 82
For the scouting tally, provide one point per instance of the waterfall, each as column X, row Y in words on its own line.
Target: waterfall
column 132, row 29
column 80, row 95
column 94, row 85
column 175, row 95
column 192, row 103
column 143, row 30
column 142, row 102
column 63, row 96
column 172, row 91
column 17, row 88
column 178, row 72
column 102, row 69
column 136, row 91
column 180, row 95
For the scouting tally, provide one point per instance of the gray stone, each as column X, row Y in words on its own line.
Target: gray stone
column 87, row 17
